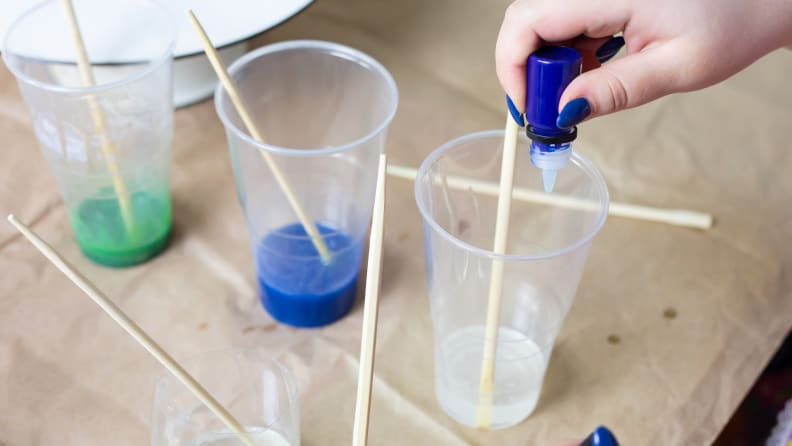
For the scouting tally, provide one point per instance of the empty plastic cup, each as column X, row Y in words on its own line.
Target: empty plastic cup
column 258, row 391
column 550, row 234
column 109, row 145
column 323, row 110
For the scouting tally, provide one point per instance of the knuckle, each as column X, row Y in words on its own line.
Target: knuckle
column 521, row 11
column 619, row 92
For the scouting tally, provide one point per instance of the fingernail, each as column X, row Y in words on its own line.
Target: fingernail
column 516, row 115
column 609, row 49
column 573, row 113
column 600, row 437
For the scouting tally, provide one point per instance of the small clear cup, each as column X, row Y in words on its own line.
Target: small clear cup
column 257, row 391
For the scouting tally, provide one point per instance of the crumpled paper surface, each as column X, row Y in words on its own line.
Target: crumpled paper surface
column 69, row 376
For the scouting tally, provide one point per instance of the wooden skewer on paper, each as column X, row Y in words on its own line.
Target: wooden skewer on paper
column 371, row 304
column 676, row 217
column 108, row 149
column 242, row 110
column 486, row 381
column 133, row 330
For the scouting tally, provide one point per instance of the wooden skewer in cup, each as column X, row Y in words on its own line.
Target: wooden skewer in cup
column 484, row 408
column 369, row 337
column 133, row 330
column 109, row 151
column 676, row 217
column 239, row 103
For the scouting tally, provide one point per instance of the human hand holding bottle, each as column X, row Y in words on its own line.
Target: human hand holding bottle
column 672, row 46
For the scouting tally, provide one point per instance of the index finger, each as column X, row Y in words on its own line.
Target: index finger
column 527, row 24
column 516, row 41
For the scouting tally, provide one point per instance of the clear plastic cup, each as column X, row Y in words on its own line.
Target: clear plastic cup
column 109, row 145
column 257, row 391
column 323, row 110
column 456, row 191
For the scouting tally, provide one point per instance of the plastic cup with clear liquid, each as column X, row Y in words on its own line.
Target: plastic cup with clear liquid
column 257, row 391
column 549, row 239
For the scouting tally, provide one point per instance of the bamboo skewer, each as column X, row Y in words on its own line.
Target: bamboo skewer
column 108, row 149
column 484, row 408
column 676, row 217
column 242, row 110
column 369, row 338
column 133, row 330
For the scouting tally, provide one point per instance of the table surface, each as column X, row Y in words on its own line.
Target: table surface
column 68, row 375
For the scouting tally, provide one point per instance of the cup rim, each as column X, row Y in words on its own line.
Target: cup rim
column 579, row 159
column 290, row 379
column 332, row 48
column 152, row 65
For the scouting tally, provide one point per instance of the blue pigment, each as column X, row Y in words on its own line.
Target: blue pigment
column 296, row 287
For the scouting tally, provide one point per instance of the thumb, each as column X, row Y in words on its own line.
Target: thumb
column 623, row 83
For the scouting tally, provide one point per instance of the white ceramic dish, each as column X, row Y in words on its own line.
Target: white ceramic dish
column 229, row 23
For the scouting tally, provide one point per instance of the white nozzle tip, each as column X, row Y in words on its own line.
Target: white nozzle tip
column 549, row 179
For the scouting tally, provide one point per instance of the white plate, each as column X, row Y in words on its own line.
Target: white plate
column 229, row 23
column 226, row 21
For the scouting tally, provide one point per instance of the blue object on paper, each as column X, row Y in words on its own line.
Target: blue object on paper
column 601, row 436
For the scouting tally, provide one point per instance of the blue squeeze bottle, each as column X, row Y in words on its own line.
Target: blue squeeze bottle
column 550, row 69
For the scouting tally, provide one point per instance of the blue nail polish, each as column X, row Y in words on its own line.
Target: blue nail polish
column 573, row 113
column 600, row 437
column 516, row 115
column 609, row 49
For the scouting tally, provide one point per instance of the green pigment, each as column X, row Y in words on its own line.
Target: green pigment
column 103, row 237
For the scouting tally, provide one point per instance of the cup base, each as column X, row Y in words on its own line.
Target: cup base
column 308, row 310
column 259, row 436
column 297, row 288
column 103, row 235
column 130, row 257
column 519, row 372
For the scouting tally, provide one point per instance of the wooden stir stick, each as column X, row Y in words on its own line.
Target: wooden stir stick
column 369, row 338
column 239, row 103
column 109, row 151
column 133, row 330
column 484, row 408
column 676, row 217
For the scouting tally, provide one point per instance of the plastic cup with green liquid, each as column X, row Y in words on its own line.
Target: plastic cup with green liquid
column 108, row 141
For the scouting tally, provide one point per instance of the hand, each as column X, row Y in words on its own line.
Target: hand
column 672, row 45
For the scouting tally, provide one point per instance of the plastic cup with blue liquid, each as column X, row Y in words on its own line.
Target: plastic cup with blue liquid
column 323, row 110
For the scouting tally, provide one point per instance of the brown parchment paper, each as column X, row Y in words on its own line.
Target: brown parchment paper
column 69, row 376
